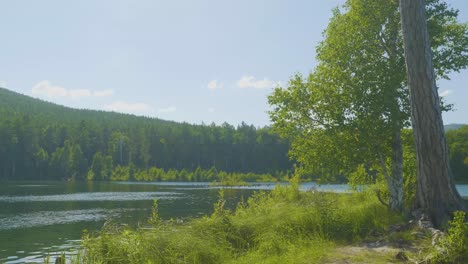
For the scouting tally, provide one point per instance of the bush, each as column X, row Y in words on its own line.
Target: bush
column 453, row 247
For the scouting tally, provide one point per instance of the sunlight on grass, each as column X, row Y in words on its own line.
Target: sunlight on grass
column 281, row 226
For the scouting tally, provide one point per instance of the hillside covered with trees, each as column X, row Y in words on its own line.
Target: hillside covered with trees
column 45, row 141
column 41, row 140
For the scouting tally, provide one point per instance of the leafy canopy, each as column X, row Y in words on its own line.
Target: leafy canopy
column 347, row 110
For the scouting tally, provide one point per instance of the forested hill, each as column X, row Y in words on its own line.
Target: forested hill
column 451, row 127
column 41, row 140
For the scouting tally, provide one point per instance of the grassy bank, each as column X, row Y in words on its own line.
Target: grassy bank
column 281, row 226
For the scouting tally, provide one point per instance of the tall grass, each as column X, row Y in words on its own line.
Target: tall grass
column 281, row 226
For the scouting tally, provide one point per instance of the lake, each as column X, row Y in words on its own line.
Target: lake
column 40, row 218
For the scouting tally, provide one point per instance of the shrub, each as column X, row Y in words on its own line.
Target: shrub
column 453, row 247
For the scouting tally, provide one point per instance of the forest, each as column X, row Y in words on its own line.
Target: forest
column 44, row 141
column 368, row 114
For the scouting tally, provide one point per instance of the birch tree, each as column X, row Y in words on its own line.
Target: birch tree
column 350, row 110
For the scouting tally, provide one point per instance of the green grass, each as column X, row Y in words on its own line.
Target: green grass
column 281, row 226
column 453, row 247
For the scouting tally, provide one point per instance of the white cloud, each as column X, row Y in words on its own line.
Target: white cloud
column 445, row 93
column 167, row 109
column 46, row 89
column 103, row 93
column 3, row 84
column 134, row 108
column 248, row 81
column 214, row 84
column 78, row 93
column 211, row 110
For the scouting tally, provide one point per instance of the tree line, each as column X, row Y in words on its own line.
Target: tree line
column 44, row 141
column 106, row 172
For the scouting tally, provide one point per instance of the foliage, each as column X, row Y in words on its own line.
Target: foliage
column 230, row 181
column 120, row 173
column 44, row 141
column 351, row 109
column 409, row 168
column 458, row 145
column 376, row 181
column 282, row 226
column 453, row 247
column 61, row 259
column 345, row 111
column 101, row 168
column 155, row 220
column 126, row 173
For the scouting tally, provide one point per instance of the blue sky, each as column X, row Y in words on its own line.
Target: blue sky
column 183, row 60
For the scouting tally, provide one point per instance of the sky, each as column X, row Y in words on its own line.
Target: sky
column 185, row 60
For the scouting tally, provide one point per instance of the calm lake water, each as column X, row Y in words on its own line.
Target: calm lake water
column 43, row 218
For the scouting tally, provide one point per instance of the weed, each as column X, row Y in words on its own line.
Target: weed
column 453, row 247
column 281, row 226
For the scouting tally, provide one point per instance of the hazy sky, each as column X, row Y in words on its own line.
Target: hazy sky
column 183, row 60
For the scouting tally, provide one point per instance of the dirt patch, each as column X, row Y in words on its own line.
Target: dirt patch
column 369, row 253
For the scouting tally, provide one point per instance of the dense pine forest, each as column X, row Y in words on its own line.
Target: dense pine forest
column 41, row 140
column 45, row 141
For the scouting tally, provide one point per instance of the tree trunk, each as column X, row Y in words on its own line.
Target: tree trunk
column 396, row 183
column 436, row 195
column 395, row 177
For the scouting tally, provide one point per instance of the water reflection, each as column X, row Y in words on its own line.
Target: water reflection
column 92, row 196
column 57, row 217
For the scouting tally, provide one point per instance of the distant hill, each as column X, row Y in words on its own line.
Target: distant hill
column 453, row 126
column 22, row 104
column 42, row 140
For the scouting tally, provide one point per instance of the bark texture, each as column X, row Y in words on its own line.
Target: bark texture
column 436, row 195
column 395, row 177
column 396, row 183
